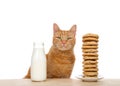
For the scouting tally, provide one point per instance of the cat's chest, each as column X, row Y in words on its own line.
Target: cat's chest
column 60, row 67
column 61, row 58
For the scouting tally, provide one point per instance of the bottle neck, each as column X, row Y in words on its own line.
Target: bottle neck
column 38, row 45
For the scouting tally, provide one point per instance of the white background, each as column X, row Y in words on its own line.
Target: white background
column 25, row 21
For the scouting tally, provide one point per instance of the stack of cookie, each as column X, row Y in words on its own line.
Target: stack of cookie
column 90, row 56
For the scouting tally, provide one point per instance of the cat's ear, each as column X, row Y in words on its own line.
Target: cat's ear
column 55, row 28
column 73, row 29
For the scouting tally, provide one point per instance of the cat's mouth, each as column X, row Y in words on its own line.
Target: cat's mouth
column 64, row 47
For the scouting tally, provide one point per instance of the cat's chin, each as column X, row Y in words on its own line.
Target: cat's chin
column 63, row 49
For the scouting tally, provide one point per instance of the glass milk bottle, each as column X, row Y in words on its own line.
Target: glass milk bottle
column 38, row 62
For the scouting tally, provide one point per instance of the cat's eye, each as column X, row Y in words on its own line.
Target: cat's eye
column 69, row 38
column 58, row 37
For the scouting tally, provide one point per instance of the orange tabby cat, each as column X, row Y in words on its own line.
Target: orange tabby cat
column 60, row 59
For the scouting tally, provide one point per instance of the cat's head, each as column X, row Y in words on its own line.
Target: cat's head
column 64, row 39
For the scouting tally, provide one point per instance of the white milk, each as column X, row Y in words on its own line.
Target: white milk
column 38, row 63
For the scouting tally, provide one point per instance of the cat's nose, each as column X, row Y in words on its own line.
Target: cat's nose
column 63, row 41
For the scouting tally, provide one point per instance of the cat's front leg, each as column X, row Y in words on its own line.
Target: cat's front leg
column 28, row 75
